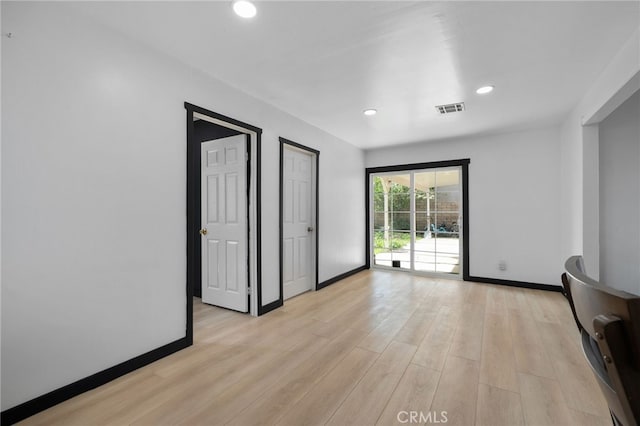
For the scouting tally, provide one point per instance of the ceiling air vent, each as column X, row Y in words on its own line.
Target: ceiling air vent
column 449, row 108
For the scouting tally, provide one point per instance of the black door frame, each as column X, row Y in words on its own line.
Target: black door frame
column 193, row 202
column 315, row 152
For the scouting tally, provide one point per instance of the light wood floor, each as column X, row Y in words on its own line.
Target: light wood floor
column 359, row 352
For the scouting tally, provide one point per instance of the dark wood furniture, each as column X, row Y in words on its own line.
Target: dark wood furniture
column 609, row 322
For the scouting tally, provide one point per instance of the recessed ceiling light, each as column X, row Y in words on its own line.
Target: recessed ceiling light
column 370, row 111
column 244, row 8
column 484, row 89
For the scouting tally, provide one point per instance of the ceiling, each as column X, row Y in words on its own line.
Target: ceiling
column 325, row 62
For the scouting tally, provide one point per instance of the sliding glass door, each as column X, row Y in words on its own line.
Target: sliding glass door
column 392, row 220
column 417, row 219
column 438, row 216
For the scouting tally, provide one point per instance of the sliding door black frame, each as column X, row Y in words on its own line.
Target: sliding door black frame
column 462, row 163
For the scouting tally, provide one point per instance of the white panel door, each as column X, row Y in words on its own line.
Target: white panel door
column 298, row 226
column 224, row 223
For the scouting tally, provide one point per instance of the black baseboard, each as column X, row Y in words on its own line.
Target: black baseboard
column 270, row 307
column 48, row 400
column 341, row 277
column 523, row 284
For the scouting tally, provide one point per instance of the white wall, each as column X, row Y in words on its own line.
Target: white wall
column 514, row 195
column 619, row 79
column 571, row 170
column 620, row 197
column 93, row 196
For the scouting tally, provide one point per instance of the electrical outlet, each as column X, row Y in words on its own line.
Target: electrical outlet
column 502, row 265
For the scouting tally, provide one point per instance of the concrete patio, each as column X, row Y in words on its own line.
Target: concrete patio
column 431, row 255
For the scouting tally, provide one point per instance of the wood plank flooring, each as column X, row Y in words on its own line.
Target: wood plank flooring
column 376, row 348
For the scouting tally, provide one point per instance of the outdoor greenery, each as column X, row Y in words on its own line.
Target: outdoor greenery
column 398, row 240
column 396, row 212
column 399, row 196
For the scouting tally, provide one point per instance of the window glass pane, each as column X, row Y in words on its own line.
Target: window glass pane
column 378, row 202
column 378, row 221
column 401, row 221
column 422, row 225
column 400, row 202
column 424, row 252
column 425, row 266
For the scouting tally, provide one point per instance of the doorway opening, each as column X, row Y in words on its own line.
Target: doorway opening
column 299, row 209
column 417, row 218
column 223, row 169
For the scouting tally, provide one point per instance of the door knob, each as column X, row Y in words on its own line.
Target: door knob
column 309, row 229
column 203, row 231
